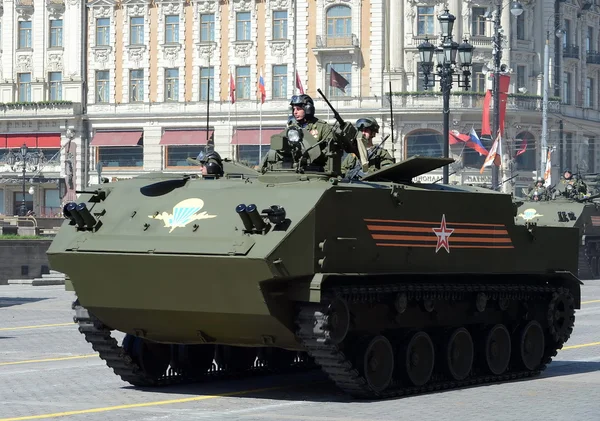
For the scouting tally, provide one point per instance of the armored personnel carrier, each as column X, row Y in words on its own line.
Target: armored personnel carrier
column 569, row 210
column 389, row 286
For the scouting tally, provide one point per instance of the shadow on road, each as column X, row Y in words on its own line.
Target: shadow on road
column 17, row 301
column 314, row 386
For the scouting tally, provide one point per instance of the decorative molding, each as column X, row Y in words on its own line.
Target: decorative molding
column 24, row 9
column 207, row 50
column 171, row 52
column 136, row 53
column 56, row 8
column 103, row 12
column 242, row 6
column 279, row 48
column 242, row 49
column 206, row 6
column 135, row 10
column 279, row 4
column 24, row 63
column 55, row 62
column 169, row 8
column 101, row 54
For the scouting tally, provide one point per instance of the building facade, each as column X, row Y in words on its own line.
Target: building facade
column 41, row 86
column 162, row 77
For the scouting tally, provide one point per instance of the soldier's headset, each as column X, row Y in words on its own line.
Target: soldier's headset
column 308, row 108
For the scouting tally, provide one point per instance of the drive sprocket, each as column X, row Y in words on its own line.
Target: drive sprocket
column 561, row 315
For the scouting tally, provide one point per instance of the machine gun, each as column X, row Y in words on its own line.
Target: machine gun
column 508, row 179
column 376, row 148
column 347, row 130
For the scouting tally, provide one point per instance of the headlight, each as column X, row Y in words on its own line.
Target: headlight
column 569, row 187
column 293, row 135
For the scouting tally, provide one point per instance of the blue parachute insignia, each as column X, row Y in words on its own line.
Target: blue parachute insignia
column 184, row 212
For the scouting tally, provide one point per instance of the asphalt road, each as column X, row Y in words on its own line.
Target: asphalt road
column 48, row 371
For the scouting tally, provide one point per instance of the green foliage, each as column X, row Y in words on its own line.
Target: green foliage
column 22, row 237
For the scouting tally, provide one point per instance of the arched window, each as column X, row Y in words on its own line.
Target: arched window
column 424, row 142
column 339, row 25
column 525, row 160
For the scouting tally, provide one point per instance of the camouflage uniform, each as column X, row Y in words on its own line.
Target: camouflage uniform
column 380, row 158
column 579, row 187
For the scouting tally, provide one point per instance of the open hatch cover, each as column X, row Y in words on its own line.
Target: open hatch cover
column 406, row 170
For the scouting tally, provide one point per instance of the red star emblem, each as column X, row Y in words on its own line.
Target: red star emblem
column 443, row 234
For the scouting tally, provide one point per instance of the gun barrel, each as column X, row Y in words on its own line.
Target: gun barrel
column 335, row 113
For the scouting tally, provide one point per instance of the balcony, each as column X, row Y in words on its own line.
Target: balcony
column 24, row 110
column 571, row 51
column 593, row 57
column 326, row 44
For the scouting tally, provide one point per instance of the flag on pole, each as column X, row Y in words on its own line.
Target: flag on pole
column 548, row 171
column 231, row 89
column 493, row 157
column 522, row 148
column 456, row 137
column 261, row 88
column 337, row 81
column 475, row 143
column 299, row 83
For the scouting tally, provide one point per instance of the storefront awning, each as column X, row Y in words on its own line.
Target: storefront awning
column 185, row 137
column 116, row 139
column 48, row 140
column 252, row 136
column 2, row 141
column 17, row 140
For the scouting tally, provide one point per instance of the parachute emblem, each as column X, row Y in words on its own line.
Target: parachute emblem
column 184, row 212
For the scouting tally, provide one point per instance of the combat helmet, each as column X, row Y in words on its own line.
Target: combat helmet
column 306, row 102
column 367, row 123
column 213, row 163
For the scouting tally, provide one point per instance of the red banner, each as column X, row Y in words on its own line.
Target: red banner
column 485, row 121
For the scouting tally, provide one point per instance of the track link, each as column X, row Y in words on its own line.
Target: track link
column 313, row 331
column 115, row 356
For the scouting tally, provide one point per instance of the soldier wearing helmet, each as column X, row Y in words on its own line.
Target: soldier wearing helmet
column 571, row 186
column 538, row 192
column 303, row 113
column 378, row 157
column 212, row 164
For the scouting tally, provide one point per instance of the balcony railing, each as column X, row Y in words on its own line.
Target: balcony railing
column 571, row 51
column 344, row 41
column 593, row 57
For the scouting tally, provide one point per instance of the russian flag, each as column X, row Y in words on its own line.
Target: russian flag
column 261, row 89
column 475, row 143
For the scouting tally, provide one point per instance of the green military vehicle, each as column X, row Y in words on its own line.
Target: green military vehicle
column 569, row 210
column 389, row 286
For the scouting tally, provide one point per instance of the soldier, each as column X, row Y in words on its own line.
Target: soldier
column 378, row 157
column 571, row 186
column 538, row 192
column 303, row 111
column 212, row 164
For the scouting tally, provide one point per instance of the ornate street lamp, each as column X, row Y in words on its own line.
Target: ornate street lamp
column 445, row 70
column 23, row 210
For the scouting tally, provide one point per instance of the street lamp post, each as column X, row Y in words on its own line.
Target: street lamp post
column 445, row 69
column 544, row 138
column 24, row 159
column 23, row 209
column 516, row 9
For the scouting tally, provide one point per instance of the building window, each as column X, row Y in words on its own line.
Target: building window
column 136, row 31
column 425, row 20
column 478, row 82
column 521, row 26
column 242, row 25
column 55, row 86
column 207, row 84
column 250, row 154
column 589, row 39
column 177, row 155
column 242, row 82
column 345, row 71
column 567, row 34
column 339, row 26
column 280, row 81
column 280, row 24
column 52, row 206
column 527, row 160
column 589, row 93
column 25, row 34
column 18, row 200
column 421, row 80
column 425, row 142
column 171, row 84
column 172, row 29
column 24, row 84
column 591, row 154
column 207, row 28
column 566, row 88
column 120, row 156
column 2, row 202
column 102, row 86
column 56, row 33
column 136, row 85
column 478, row 21
column 521, row 77
column 103, row 31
